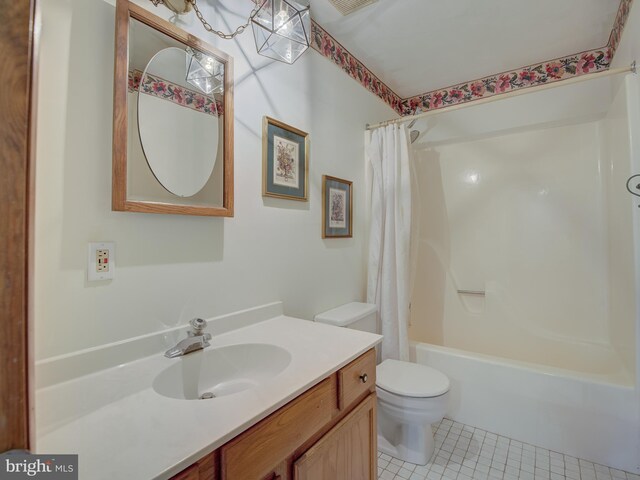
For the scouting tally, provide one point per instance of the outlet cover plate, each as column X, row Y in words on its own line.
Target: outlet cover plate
column 101, row 261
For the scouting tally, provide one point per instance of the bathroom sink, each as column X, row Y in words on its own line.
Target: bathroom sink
column 217, row 372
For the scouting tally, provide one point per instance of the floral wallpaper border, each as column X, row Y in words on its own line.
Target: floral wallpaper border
column 545, row 72
column 166, row 90
column 530, row 76
column 329, row 47
column 618, row 26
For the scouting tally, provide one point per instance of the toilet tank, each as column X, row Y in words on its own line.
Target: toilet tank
column 355, row 315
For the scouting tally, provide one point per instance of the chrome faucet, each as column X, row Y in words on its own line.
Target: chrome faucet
column 196, row 340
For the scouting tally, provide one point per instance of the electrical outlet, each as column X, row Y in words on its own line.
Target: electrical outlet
column 101, row 263
column 102, row 255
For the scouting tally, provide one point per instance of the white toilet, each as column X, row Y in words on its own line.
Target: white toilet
column 410, row 396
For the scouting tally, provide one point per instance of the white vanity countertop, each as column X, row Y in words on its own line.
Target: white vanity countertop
column 122, row 429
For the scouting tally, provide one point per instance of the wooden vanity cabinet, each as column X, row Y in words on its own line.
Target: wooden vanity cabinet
column 328, row 432
column 262, row 448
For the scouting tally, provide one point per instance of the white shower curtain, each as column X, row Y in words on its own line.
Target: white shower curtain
column 390, row 237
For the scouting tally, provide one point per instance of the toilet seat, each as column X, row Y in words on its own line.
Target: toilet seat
column 411, row 380
column 413, row 409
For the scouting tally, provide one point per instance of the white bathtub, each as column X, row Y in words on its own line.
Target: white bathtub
column 568, row 412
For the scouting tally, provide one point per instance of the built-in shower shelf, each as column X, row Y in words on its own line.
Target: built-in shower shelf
column 480, row 293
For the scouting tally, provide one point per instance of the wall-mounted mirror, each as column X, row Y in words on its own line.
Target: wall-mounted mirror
column 173, row 119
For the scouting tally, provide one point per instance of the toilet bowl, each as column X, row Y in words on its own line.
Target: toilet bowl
column 411, row 397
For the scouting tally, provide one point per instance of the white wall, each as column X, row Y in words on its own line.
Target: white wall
column 172, row 268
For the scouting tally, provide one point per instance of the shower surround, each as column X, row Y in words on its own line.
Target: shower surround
column 524, row 283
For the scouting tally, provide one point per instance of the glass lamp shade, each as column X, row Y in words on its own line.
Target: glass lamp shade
column 204, row 72
column 282, row 29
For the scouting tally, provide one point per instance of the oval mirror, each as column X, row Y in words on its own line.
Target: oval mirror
column 179, row 110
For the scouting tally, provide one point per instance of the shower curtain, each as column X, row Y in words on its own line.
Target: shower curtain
column 390, row 235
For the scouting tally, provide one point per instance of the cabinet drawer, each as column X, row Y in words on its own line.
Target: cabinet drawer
column 255, row 453
column 357, row 379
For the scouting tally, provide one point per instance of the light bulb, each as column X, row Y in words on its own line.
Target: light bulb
column 281, row 19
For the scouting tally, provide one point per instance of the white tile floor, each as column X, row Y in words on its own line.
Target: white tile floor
column 467, row 453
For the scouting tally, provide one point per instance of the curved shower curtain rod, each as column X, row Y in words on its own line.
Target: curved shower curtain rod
column 517, row 93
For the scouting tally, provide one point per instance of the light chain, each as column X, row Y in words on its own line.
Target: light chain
column 207, row 26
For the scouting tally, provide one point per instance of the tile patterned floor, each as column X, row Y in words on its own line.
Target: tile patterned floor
column 467, row 453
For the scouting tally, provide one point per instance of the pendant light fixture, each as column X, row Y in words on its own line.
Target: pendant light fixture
column 204, row 72
column 281, row 28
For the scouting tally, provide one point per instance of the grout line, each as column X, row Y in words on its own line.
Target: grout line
column 583, row 468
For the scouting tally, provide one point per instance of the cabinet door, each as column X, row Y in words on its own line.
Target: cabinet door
column 346, row 452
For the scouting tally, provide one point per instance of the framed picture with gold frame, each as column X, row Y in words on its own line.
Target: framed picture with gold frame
column 337, row 207
column 285, row 161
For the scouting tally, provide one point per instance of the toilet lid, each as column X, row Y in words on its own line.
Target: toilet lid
column 410, row 379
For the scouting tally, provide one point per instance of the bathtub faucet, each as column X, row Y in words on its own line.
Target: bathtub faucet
column 196, row 340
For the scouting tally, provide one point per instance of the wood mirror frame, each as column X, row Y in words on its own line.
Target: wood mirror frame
column 125, row 11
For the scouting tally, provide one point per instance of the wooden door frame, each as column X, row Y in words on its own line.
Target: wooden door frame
column 17, row 142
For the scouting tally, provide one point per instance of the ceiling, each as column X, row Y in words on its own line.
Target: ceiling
column 416, row 46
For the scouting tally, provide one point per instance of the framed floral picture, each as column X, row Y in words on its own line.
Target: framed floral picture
column 337, row 207
column 285, row 161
